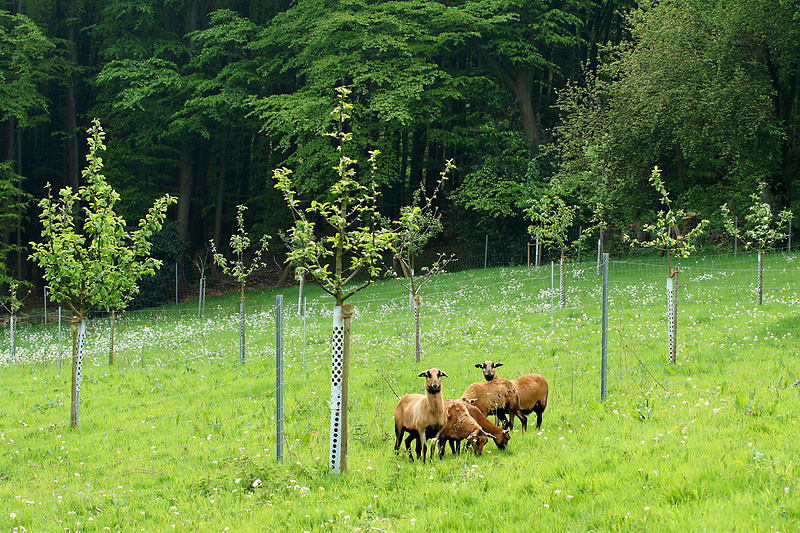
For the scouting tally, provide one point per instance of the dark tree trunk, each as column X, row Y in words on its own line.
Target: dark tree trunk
column 185, row 186
column 221, row 181
column 523, row 89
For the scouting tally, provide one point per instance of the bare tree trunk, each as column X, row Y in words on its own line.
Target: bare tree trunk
column 523, row 90
column 221, row 182
column 185, row 185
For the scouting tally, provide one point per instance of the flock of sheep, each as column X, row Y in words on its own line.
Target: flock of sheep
column 429, row 416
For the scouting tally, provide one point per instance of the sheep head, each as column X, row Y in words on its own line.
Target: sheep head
column 433, row 380
column 503, row 439
column 488, row 368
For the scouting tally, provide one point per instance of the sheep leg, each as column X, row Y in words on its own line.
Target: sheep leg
column 503, row 420
column 424, row 442
column 538, row 409
column 441, row 448
column 452, row 446
column 419, row 445
column 398, row 433
column 522, row 418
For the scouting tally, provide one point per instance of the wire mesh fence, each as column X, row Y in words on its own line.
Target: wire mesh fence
column 177, row 393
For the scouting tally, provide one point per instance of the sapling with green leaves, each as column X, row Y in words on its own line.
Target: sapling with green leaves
column 239, row 268
column 669, row 240
column 344, row 257
column 419, row 223
column 552, row 219
column 88, row 256
column 760, row 232
column 11, row 302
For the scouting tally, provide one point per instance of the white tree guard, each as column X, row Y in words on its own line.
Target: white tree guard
column 417, row 350
column 59, row 340
column 760, row 277
column 599, row 250
column 671, row 319
column 241, row 332
column 337, row 373
column 538, row 262
column 76, row 399
column 300, row 295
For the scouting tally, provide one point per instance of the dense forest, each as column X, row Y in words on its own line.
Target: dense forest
column 203, row 98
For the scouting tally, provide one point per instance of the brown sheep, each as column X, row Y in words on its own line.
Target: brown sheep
column 488, row 368
column 422, row 416
column 496, row 396
column 459, row 426
column 532, row 390
column 501, row 436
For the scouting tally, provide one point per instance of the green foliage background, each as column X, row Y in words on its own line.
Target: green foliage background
column 201, row 99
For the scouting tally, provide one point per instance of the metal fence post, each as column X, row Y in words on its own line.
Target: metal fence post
column 200, row 298
column 735, row 235
column 580, row 232
column 486, row 252
column 176, row 283
column 45, row 302
column 12, row 349
column 604, row 334
column 789, row 243
column 562, row 289
column 279, row 376
column 303, row 360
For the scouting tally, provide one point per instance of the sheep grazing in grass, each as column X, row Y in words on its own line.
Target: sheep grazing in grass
column 496, row 396
column 422, row 416
column 461, row 426
column 501, row 436
column 531, row 391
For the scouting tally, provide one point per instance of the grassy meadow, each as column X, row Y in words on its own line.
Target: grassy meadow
column 177, row 434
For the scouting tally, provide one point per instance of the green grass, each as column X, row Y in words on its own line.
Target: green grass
column 177, row 432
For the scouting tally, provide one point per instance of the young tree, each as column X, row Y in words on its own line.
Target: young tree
column 12, row 303
column 762, row 229
column 417, row 225
column 667, row 239
column 237, row 269
column 354, row 242
column 552, row 218
column 89, row 258
column 200, row 261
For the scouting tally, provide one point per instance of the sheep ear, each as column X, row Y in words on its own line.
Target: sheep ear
column 443, row 375
column 423, row 374
column 498, row 364
column 478, row 366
